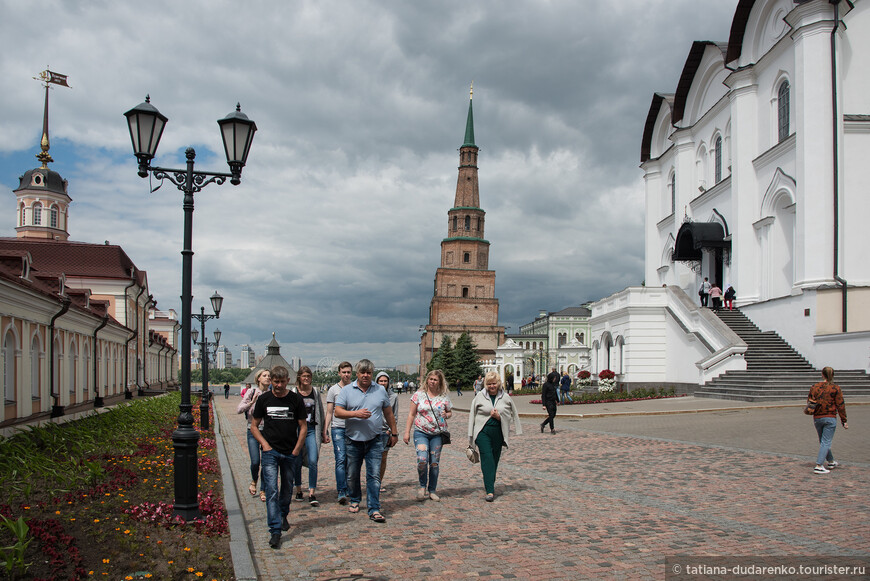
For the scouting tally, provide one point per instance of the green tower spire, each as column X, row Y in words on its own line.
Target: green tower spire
column 469, row 124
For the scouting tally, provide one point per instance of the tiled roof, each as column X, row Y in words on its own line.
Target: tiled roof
column 573, row 312
column 75, row 258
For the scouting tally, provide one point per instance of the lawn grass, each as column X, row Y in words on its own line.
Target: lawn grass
column 96, row 496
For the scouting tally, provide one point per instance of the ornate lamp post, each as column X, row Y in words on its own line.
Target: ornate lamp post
column 146, row 126
column 217, row 302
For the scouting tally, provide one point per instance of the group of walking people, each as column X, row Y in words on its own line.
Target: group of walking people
column 287, row 426
column 709, row 291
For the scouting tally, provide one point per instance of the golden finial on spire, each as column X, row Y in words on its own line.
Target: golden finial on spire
column 471, row 91
column 48, row 78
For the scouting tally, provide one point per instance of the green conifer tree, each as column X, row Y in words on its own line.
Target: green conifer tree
column 465, row 362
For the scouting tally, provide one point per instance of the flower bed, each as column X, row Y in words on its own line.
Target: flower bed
column 96, row 495
column 617, row 396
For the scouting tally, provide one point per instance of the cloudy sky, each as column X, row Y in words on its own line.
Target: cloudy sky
column 333, row 238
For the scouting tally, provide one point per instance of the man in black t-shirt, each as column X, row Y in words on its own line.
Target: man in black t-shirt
column 282, row 413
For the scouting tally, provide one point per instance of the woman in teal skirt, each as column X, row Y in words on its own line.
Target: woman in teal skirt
column 489, row 420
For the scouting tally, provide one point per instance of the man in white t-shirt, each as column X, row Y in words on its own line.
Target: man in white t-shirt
column 334, row 427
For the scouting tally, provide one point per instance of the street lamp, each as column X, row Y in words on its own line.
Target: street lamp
column 217, row 302
column 146, row 126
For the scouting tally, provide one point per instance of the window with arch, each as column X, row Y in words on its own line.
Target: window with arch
column 52, row 217
column 782, row 110
column 478, row 223
column 34, row 368
column 563, row 338
column 465, row 292
column 579, row 337
column 37, row 214
column 466, row 257
column 468, row 222
column 21, row 218
column 9, row 367
column 717, row 153
column 455, row 222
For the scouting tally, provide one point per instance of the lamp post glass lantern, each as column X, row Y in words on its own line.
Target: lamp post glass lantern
column 217, row 302
column 146, row 125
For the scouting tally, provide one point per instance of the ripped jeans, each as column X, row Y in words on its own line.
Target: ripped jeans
column 428, row 448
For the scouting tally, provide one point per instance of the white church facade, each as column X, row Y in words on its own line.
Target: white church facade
column 754, row 171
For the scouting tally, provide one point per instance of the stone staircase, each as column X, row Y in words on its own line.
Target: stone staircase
column 774, row 370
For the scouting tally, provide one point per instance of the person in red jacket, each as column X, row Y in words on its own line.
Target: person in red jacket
column 828, row 398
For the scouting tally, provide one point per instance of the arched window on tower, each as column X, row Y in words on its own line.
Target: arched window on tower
column 455, row 222
column 782, row 107
column 718, row 154
column 466, row 257
column 37, row 214
column 478, row 224
column 468, row 222
column 465, row 292
column 21, row 217
column 52, row 217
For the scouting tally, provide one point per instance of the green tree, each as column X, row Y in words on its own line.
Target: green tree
column 443, row 358
column 465, row 363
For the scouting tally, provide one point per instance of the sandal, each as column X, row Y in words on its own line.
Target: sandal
column 377, row 517
column 353, row 508
column 263, row 495
column 253, row 488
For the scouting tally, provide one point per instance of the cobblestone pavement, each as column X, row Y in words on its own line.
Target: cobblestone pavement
column 605, row 497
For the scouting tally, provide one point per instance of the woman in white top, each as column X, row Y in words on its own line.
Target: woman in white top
column 262, row 381
column 429, row 412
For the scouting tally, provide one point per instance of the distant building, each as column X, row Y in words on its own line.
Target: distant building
column 247, row 357
column 273, row 358
column 464, row 295
column 224, row 357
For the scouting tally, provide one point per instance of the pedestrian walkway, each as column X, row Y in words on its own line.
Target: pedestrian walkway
column 609, row 496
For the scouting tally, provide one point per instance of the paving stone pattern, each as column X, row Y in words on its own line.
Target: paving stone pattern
column 591, row 501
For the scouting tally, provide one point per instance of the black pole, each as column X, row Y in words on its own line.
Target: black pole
column 185, row 439
column 203, row 404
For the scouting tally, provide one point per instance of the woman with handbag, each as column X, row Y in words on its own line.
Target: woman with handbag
column 263, row 383
column 489, row 419
column 824, row 403
column 429, row 412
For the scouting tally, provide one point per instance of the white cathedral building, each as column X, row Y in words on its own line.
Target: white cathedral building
column 755, row 176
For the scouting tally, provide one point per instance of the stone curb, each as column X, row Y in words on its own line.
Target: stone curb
column 240, row 544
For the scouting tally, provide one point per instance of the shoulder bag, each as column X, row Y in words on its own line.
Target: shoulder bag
column 445, row 434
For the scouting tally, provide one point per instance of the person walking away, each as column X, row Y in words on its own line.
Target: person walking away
column 549, row 398
column 565, row 388
column 704, row 291
column 314, row 437
column 489, row 419
column 730, row 294
column 333, row 428
column 430, row 409
column 364, row 406
column 383, row 379
column 829, row 402
column 282, row 414
column 263, row 381
column 716, row 295
column 459, row 389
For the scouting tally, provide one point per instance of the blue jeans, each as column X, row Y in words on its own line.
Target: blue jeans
column 340, row 449
column 825, row 427
column 312, row 450
column 254, row 453
column 371, row 452
column 428, row 448
column 277, row 501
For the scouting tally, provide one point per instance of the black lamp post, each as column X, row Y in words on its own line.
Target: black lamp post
column 146, row 126
column 216, row 302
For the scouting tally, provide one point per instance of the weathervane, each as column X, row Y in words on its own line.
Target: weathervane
column 48, row 78
column 471, row 91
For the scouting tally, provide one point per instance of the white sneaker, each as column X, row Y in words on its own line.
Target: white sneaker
column 832, row 465
column 435, row 497
column 820, row 470
column 421, row 494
